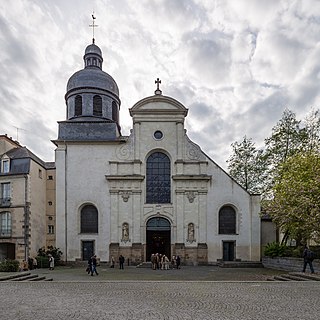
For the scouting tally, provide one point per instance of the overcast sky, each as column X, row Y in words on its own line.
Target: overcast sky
column 235, row 64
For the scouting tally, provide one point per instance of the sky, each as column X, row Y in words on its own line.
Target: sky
column 235, row 64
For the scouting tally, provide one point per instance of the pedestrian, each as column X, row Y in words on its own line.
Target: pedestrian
column 30, row 263
column 178, row 261
column 24, row 265
column 121, row 261
column 35, row 263
column 89, row 266
column 166, row 263
column 94, row 265
column 308, row 257
column 153, row 261
column 51, row 262
column 112, row 262
column 173, row 262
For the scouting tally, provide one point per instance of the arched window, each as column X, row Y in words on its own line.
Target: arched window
column 227, row 220
column 78, row 106
column 5, row 224
column 158, row 179
column 97, row 106
column 115, row 112
column 89, row 219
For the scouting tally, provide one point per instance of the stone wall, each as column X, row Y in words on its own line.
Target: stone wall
column 288, row 264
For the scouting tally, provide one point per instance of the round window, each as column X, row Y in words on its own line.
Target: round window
column 158, row 135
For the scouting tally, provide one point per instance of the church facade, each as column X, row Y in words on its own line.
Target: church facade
column 154, row 191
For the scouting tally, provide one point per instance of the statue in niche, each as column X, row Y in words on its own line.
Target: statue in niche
column 191, row 232
column 125, row 232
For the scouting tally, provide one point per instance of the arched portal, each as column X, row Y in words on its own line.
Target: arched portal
column 158, row 237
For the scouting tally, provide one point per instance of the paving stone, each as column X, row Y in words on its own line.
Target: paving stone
column 159, row 300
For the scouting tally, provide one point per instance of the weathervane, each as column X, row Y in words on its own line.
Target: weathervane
column 93, row 26
column 157, row 82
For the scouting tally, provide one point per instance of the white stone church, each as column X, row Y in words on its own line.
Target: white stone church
column 154, row 191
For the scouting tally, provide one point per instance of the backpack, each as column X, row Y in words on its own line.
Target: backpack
column 310, row 255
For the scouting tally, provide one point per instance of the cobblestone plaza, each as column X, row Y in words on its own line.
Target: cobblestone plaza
column 129, row 299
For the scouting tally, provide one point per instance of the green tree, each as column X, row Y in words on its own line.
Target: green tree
column 312, row 131
column 246, row 165
column 286, row 139
column 295, row 206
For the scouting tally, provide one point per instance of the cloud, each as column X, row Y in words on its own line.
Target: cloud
column 234, row 64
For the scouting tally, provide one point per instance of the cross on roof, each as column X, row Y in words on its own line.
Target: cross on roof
column 157, row 82
column 93, row 26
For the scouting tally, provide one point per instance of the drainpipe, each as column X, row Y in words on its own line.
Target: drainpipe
column 66, row 204
column 26, row 218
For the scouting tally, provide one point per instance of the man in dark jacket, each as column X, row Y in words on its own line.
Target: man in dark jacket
column 94, row 265
column 121, row 261
column 307, row 259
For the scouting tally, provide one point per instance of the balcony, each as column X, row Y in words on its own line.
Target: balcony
column 5, row 202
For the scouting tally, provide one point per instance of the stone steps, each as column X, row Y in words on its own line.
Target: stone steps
column 240, row 264
column 24, row 276
column 295, row 276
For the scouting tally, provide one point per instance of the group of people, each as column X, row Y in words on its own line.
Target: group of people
column 30, row 264
column 162, row 262
column 121, row 262
column 92, row 266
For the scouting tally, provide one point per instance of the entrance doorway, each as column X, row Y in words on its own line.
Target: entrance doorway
column 7, row 251
column 228, row 250
column 158, row 237
column 87, row 250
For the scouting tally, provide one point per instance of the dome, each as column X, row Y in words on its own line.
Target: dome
column 92, row 75
column 92, row 48
column 92, row 78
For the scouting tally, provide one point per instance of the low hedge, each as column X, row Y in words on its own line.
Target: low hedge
column 9, row 266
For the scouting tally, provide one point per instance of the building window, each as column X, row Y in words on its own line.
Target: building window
column 158, row 135
column 50, row 229
column 50, row 203
column 78, row 106
column 89, row 219
column 227, row 220
column 97, row 106
column 50, row 177
column 5, row 191
column 115, row 112
column 5, row 224
column 5, row 166
column 40, row 174
column 158, row 178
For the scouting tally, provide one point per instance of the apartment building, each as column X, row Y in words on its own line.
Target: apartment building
column 27, row 201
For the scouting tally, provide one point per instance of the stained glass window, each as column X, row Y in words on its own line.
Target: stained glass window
column 158, row 178
column 89, row 219
column 227, row 220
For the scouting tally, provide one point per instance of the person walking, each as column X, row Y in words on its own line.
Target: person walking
column 308, row 257
column 112, row 262
column 121, row 261
column 89, row 267
column 178, row 262
column 94, row 265
column 51, row 262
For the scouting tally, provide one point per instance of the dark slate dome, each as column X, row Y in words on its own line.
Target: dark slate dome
column 92, row 78
column 92, row 75
column 92, row 48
